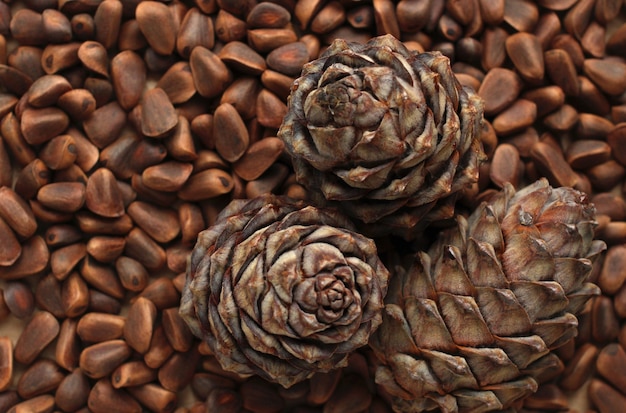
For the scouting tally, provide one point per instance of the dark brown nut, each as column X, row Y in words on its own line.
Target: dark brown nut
column 154, row 397
column 6, row 367
column 258, row 158
column 515, row 118
column 62, row 196
column 242, row 58
column 613, row 274
column 104, row 398
column 579, row 368
column 256, row 392
column 27, row 27
column 93, row 224
column 271, row 110
column 499, row 89
column 105, row 124
column 94, row 57
column 229, row 28
column 132, row 274
column 144, row 249
column 617, row 41
column 242, row 95
column 606, row 175
column 39, row 404
column 548, row 26
column 268, row 15
column 40, row 331
column 168, row 176
column 266, row 40
column 552, row 164
column 585, row 153
column 97, row 327
column 591, row 126
column 107, row 20
column 177, row 83
column 180, row 143
column 605, row 397
column 604, row 321
column 139, row 324
column 547, row 99
column 10, row 248
column 524, row 50
column 162, row 293
column 176, row 330
column 617, row 141
column 561, row 70
column 158, row 222
column 176, row 373
column 268, row 182
column 331, row 16
column 41, row 377
column 72, row 392
column 549, row 396
column 210, row 75
column 591, row 99
column 101, row 302
column 522, row 15
column 578, row 17
column 158, row 116
column 157, row 25
column 99, row 360
column 102, row 194
column 101, row 277
column 41, row 125
column 206, row 184
column 277, row 83
column 46, row 90
column 160, row 349
column 196, row 29
column 74, row 295
column 128, row 76
column 34, row 259
column 59, row 153
column 67, row 350
column 506, row 166
column 562, row 120
column 608, row 74
column 611, row 363
column 132, row 373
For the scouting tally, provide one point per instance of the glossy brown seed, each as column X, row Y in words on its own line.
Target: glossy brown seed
column 611, row 363
column 17, row 213
column 106, row 248
column 27, row 27
column 270, row 109
column 616, row 43
column 162, row 293
column 517, row 117
column 39, row 404
column 242, row 58
column 385, row 17
column 579, row 368
column 499, row 89
column 100, row 359
column 176, row 330
column 67, row 349
column 552, row 164
column 48, row 296
column 191, row 222
column 74, row 295
column 506, row 166
column 94, row 224
column 268, row 15
column 101, row 277
column 41, row 377
column 242, row 94
column 41, row 125
column 140, row 246
column 605, row 397
column 305, row 11
column 617, row 141
column 59, row 153
column 604, row 321
column 72, row 392
column 154, row 397
column 6, row 168
column 258, row 158
column 140, row 324
column 15, row 142
column 65, row 259
column 522, row 15
column 128, row 76
column 180, row 143
column 105, row 124
column 62, row 196
column 158, row 116
column 562, row 119
column 177, row 83
column 271, row 179
column 561, row 70
column 288, row 59
column 46, row 90
column 94, row 57
column 607, row 175
column 196, row 29
column 206, row 184
column 40, row 331
column 132, row 373
column 524, row 50
column 101, row 89
column 231, row 135
column 578, row 17
column 159, row 223
column 167, row 176
column 547, row 99
column 583, row 154
column 102, row 194
column 608, row 74
column 548, row 26
column 592, row 126
column 613, row 273
column 176, row 373
column 132, row 274
column 157, row 25
column 331, row 16
column 229, row 28
column 95, row 327
column 150, row 195
column 593, row 41
column 160, row 349
column 104, row 303
column 277, row 83
column 266, row 40
column 34, row 259
column 78, row 103
column 548, row 397
column 104, row 398
column 6, row 366
column 211, row 76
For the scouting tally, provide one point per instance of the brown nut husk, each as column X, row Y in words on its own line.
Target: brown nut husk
column 470, row 325
column 281, row 289
column 385, row 134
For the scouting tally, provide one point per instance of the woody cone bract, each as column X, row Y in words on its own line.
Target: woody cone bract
column 282, row 290
column 386, row 134
column 470, row 325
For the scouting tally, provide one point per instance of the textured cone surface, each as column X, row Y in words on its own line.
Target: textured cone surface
column 386, row 134
column 470, row 325
column 283, row 290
